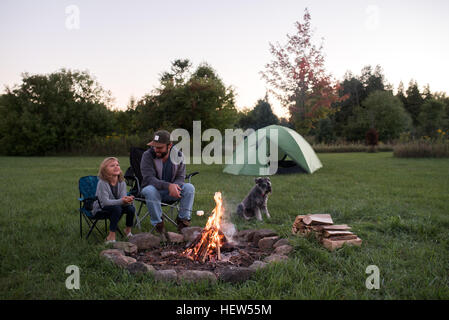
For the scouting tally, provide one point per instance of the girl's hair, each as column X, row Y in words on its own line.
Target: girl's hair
column 102, row 171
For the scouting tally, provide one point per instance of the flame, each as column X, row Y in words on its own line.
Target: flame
column 211, row 237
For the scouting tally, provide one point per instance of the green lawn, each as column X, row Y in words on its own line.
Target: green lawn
column 399, row 207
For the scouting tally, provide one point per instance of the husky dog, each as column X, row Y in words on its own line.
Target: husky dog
column 256, row 200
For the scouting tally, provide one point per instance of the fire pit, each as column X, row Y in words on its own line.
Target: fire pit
column 201, row 253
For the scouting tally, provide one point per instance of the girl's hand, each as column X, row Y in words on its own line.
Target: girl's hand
column 128, row 199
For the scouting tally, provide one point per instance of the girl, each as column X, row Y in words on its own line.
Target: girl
column 112, row 199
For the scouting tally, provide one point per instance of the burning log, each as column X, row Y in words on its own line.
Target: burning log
column 207, row 244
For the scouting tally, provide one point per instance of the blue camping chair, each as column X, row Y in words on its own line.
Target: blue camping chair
column 87, row 187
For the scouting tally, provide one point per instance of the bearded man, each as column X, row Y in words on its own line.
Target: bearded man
column 163, row 181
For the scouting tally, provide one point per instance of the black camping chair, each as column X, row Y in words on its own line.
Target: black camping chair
column 133, row 178
column 87, row 187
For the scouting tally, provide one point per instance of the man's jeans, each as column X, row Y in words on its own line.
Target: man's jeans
column 154, row 197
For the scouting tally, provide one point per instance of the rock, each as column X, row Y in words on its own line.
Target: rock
column 245, row 235
column 123, row 261
column 117, row 257
column 262, row 233
column 281, row 242
column 145, row 241
column 235, row 275
column 127, row 247
column 139, row 267
column 275, row 258
column 190, row 233
column 197, row 275
column 258, row 265
column 110, row 253
column 175, row 237
column 283, row 250
column 267, row 243
column 166, row 254
column 165, row 275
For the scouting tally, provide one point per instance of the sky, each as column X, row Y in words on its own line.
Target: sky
column 126, row 45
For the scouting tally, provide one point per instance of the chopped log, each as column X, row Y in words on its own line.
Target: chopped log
column 332, row 227
column 298, row 224
column 347, row 237
column 335, row 244
column 330, row 233
column 314, row 219
column 298, row 219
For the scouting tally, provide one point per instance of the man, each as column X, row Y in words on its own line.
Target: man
column 163, row 181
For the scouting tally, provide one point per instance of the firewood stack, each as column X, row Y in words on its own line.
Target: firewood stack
column 330, row 235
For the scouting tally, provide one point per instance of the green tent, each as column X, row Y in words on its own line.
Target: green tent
column 287, row 142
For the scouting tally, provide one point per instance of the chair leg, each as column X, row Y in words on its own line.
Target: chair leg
column 94, row 225
column 138, row 220
column 171, row 211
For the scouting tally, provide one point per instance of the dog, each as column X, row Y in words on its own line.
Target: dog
column 256, row 200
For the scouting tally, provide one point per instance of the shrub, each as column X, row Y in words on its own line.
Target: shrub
column 348, row 147
column 422, row 149
column 114, row 145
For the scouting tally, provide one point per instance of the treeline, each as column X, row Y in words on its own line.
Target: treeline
column 69, row 112
column 372, row 104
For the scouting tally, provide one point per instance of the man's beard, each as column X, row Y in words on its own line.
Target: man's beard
column 161, row 155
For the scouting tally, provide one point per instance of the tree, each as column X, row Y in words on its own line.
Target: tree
column 261, row 116
column 383, row 112
column 297, row 77
column 126, row 120
column 183, row 97
column 432, row 118
column 326, row 131
column 53, row 112
column 372, row 81
column 401, row 94
column 353, row 88
column 414, row 101
column 356, row 88
column 427, row 94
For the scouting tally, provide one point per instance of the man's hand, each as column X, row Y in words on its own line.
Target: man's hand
column 174, row 190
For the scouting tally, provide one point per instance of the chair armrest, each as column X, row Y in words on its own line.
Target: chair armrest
column 190, row 175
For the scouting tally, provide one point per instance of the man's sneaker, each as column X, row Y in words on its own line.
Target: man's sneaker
column 161, row 230
column 182, row 223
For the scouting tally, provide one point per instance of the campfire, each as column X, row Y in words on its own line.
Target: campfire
column 208, row 243
column 216, row 251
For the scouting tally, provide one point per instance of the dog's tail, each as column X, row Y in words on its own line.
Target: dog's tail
column 240, row 210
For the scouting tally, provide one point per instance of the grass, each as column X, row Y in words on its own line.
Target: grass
column 397, row 206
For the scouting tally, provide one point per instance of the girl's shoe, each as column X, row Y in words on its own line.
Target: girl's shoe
column 109, row 241
column 129, row 235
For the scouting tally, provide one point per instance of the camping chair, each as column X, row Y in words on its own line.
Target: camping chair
column 88, row 186
column 133, row 178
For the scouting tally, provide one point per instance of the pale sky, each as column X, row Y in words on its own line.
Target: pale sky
column 126, row 45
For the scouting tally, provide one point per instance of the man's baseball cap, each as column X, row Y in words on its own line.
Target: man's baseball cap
column 161, row 138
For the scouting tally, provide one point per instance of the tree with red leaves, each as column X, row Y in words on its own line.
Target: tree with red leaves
column 297, row 78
